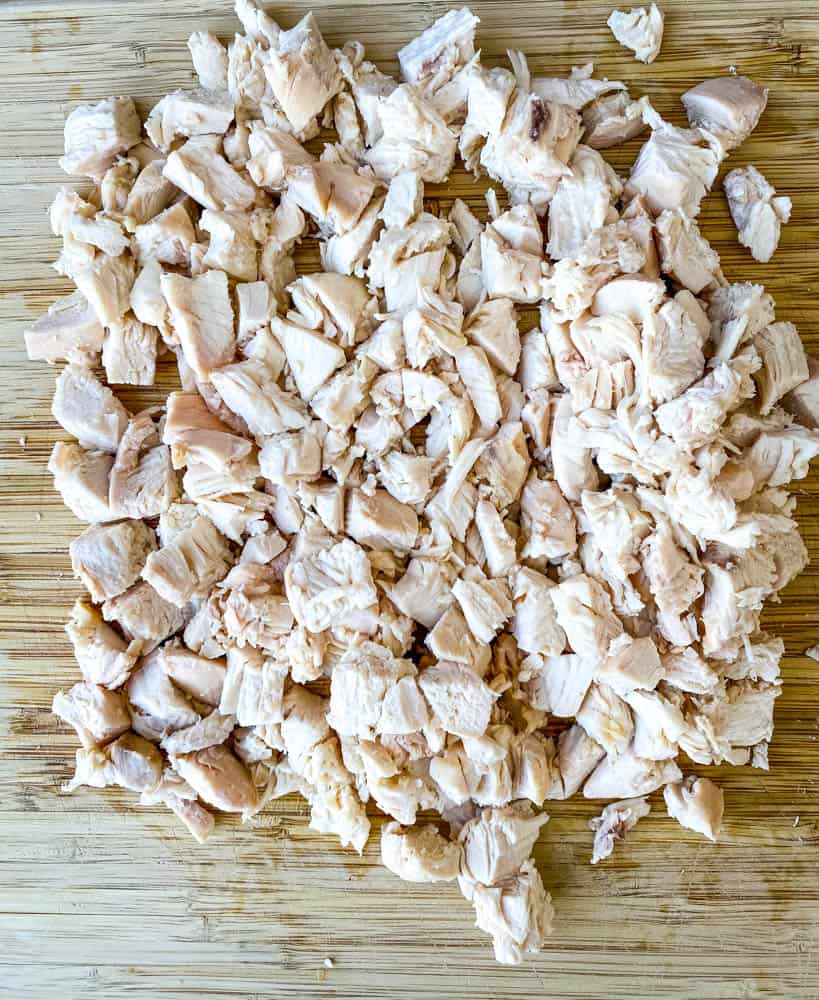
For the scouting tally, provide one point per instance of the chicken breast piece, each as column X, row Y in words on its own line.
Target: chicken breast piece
column 142, row 481
column 95, row 134
column 302, row 73
column 189, row 113
column 82, row 479
column 218, row 777
column 697, row 804
column 104, row 657
column 69, row 331
column 202, row 318
column 108, row 558
column 325, row 587
column 210, row 60
column 461, row 701
column 129, row 352
column 86, row 408
column 784, row 363
column 199, row 169
column 380, row 521
column 516, row 911
column 188, row 567
column 612, row 825
column 629, row 776
column 97, row 714
column 419, row 854
column 612, row 119
column 756, row 210
column 640, row 30
column 729, row 106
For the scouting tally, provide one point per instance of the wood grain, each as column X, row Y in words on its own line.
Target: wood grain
column 100, row 900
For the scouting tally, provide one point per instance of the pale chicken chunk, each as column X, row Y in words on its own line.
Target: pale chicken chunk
column 585, row 614
column 697, row 804
column 82, row 479
column 104, row 657
column 534, row 622
column 196, row 434
column 784, row 363
column 252, row 688
column 197, row 676
column 142, row 482
column 612, row 119
column 209, row 58
column 182, row 800
column 674, row 169
column 547, row 520
column 607, row 718
column 97, row 714
column 249, row 390
column 803, row 401
column 199, row 169
column 498, row 545
column 414, row 136
column 312, row 358
column 728, row 106
column 756, row 210
column 202, row 318
column 405, row 199
column 461, row 701
column 497, row 842
column 108, row 558
column 188, row 567
column 95, row 134
column 629, row 776
column 218, row 777
column 582, row 202
column 512, row 262
column 517, row 912
column 130, row 762
column 157, row 707
column 640, row 30
column 451, row 639
column 86, row 408
column 371, row 691
column 577, row 90
column 69, row 331
column 485, row 604
column 189, row 113
column 150, row 195
column 302, row 72
column 493, row 327
column 380, row 521
column 129, row 352
column 478, row 377
column 325, row 588
column 424, row 592
column 685, row 255
column 420, row 854
column 432, row 58
column 612, row 825
column 738, row 312
column 334, row 194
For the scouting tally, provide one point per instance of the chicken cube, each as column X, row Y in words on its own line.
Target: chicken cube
column 86, row 408
column 757, row 212
column 697, row 804
column 95, row 134
column 640, row 30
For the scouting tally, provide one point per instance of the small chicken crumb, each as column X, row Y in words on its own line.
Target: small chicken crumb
column 22, row 441
column 640, row 30
column 813, row 652
column 328, row 963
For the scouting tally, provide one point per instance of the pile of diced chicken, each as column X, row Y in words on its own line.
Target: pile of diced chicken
column 388, row 531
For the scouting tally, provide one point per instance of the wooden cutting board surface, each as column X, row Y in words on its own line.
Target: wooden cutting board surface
column 99, row 899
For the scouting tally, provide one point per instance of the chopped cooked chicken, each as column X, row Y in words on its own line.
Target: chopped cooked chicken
column 95, row 134
column 419, row 854
column 202, row 319
column 728, row 106
column 190, row 565
column 200, row 170
column 381, row 480
column 108, row 558
column 104, row 657
column 613, row 824
column 640, row 30
column 188, row 113
column 697, row 804
column 69, row 331
column 210, row 60
column 129, row 352
column 675, row 168
column 82, row 478
column 86, row 408
column 612, row 119
column 218, row 777
column 96, row 713
column 757, row 212
column 143, row 482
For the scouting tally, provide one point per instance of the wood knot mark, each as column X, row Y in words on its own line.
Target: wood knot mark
column 139, row 54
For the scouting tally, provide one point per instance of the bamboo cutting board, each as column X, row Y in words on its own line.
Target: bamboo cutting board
column 105, row 901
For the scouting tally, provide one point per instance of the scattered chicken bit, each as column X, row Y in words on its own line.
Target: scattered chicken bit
column 613, row 824
column 640, row 30
column 388, row 531
column 757, row 212
column 697, row 804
